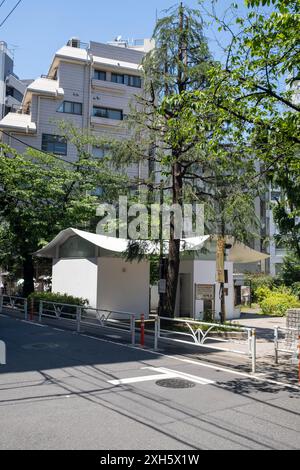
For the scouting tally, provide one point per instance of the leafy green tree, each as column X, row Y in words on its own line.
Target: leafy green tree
column 258, row 85
column 199, row 155
column 42, row 195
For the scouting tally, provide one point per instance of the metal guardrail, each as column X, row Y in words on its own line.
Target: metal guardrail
column 200, row 334
column 286, row 340
column 10, row 302
column 88, row 316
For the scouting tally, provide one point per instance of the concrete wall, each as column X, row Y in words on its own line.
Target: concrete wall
column 77, row 277
column 123, row 286
column 205, row 273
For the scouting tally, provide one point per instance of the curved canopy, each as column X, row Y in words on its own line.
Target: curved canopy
column 239, row 253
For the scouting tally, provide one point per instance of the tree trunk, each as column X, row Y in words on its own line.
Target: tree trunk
column 28, row 274
column 174, row 244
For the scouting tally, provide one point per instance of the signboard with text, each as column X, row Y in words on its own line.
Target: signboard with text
column 205, row 292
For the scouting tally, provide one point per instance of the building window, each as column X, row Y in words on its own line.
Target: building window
column 129, row 80
column 54, row 144
column 108, row 113
column 133, row 81
column 75, row 247
column 117, row 78
column 71, row 108
column 100, row 75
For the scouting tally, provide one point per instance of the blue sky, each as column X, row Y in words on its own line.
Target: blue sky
column 38, row 28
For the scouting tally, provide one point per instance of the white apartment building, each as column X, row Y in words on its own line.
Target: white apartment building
column 89, row 85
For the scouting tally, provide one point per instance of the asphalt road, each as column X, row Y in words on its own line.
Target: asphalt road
column 60, row 390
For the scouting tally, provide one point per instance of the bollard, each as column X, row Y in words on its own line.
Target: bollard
column 142, row 331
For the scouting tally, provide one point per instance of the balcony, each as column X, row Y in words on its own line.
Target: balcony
column 105, row 122
column 109, row 87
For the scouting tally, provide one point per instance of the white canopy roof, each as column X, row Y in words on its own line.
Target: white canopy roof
column 239, row 253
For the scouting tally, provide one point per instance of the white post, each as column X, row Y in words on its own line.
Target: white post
column 40, row 311
column 253, row 351
column 78, row 318
column 276, row 338
column 250, row 343
column 156, row 334
column 2, row 353
column 26, row 309
column 132, row 329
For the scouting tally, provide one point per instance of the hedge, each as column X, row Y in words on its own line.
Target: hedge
column 58, row 298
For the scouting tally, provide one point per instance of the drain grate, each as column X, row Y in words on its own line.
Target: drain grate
column 175, row 383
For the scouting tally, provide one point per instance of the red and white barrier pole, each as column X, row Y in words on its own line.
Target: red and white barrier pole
column 142, row 331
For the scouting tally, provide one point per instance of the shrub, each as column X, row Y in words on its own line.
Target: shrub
column 58, row 298
column 258, row 281
column 290, row 273
column 262, row 293
column 277, row 303
column 296, row 289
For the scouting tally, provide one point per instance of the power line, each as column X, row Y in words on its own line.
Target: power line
column 39, row 150
column 2, row 3
column 11, row 12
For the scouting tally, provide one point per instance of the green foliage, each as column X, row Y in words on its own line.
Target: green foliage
column 278, row 303
column 290, row 273
column 262, row 293
column 259, row 281
column 296, row 289
column 64, row 299
column 42, row 195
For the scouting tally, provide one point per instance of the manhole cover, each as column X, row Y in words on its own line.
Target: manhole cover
column 175, row 383
column 40, row 346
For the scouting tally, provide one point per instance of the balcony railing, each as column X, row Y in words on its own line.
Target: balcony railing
column 19, row 109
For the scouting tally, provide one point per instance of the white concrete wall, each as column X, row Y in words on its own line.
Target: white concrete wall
column 205, row 273
column 77, row 277
column 124, row 287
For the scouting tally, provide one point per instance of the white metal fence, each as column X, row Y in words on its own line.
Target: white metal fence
column 207, row 335
column 287, row 341
column 18, row 304
column 89, row 317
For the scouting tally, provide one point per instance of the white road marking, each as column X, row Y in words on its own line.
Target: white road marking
column 146, row 378
column 34, row 324
column 183, row 375
column 163, row 375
